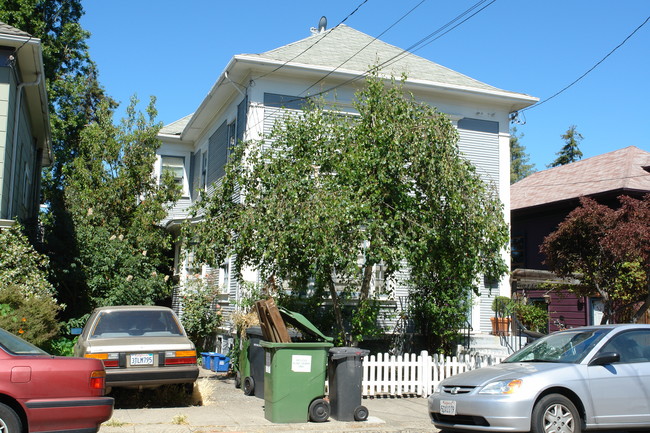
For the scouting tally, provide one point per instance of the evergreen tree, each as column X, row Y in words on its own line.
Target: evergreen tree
column 570, row 152
column 519, row 166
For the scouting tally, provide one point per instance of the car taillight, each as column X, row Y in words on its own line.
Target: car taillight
column 98, row 379
column 109, row 359
column 180, row 357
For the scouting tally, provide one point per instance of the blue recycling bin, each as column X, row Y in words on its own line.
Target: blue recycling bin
column 220, row 363
column 206, row 357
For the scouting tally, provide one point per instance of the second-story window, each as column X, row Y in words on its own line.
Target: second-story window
column 174, row 165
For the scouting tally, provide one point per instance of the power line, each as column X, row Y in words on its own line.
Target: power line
column 364, row 47
column 590, row 69
column 315, row 42
column 396, row 57
column 413, row 47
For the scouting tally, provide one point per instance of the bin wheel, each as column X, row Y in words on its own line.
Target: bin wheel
column 249, row 385
column 361, row 413
column 319, row 410
column 238, row 380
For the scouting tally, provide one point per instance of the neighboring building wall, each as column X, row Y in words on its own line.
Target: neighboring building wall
column 7, row 85
column 23, row 162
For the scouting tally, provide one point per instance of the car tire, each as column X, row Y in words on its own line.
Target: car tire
column 9, row 421
column 556, row 413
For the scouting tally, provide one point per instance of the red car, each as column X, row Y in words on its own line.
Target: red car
column 44, row 393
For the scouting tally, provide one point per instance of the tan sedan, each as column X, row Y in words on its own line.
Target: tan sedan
column 141, row 346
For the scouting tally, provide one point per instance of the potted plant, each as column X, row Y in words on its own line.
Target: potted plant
column 503, row 308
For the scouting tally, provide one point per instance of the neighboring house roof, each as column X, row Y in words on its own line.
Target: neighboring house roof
column 6, row 29
column 29, row 57
column 344, row 55
column 624, row 170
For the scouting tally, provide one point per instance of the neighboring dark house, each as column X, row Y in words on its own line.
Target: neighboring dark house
column 544, row 199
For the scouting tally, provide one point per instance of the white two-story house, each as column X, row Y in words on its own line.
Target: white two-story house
column 254, row 89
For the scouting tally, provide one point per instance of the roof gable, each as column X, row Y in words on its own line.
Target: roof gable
column 622, row 170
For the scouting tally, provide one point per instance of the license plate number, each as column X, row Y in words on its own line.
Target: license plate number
column 142, row 359
column 447, row 407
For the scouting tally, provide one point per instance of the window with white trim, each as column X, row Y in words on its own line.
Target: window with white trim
column 174, row 165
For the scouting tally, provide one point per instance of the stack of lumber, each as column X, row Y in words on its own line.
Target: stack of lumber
column 273, row 327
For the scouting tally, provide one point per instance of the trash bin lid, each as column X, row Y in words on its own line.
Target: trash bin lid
column 255, row 331
column 302, row 323
column 347, row 352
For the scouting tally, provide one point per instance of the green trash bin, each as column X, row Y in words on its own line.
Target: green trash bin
column 243, row 366
column 294, row 375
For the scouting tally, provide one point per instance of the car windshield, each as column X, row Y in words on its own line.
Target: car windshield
column 18, row 346
column 129, row 323
column 569, row 346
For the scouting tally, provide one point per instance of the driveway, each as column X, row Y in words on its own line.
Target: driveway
column 226, row 409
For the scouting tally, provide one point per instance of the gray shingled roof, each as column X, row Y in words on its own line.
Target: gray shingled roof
column 6, row 29
column 359, row 52
column 177, row 127
column 624, row 169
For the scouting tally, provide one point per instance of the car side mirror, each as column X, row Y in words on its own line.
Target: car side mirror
column 605, row 358
column 76, row 331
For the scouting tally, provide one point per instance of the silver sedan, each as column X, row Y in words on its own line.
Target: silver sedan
column 586, row 378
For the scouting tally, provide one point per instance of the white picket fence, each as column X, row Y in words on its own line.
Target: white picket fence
column 412, row 374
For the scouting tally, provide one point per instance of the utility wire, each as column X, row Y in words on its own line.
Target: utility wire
column 316, row 42
column 397, row 56
column 363, row 48
column 413, row 47
column 590, row 69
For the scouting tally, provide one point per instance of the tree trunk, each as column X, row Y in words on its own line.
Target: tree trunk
column 338, row 316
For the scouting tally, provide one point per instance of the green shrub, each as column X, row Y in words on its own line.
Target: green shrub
column 201, row 316
column 27, row 304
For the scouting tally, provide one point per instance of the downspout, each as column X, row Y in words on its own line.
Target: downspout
column 14, row 143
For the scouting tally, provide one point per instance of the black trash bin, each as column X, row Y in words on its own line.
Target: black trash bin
column 345, row 371
column 254, row 384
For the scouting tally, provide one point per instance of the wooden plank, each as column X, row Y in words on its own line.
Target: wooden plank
column 279, row 328
column 260, row 307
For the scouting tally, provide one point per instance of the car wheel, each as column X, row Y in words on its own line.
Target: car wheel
column 555, row 413
column 9, row 421
column 319, row 410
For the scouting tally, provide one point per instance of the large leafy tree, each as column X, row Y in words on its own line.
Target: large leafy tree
column 519, row 159
column 609, row 249
column 74, row 94
column 570, row 152
column 328, row 197
column 116, row 205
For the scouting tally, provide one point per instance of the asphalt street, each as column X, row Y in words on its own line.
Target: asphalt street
column 226, row 409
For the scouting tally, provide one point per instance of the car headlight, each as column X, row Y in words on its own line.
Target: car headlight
column 502, row 387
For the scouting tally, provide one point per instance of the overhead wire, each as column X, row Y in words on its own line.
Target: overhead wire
column 395, row 58
column 414, row 47
column 315, row 42
column 364, row 47
column 588, row 71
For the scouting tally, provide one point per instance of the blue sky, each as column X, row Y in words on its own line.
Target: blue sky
column 176, row 51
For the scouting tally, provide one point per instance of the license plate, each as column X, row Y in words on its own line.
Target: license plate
column 447, row 407
column 142, row 359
